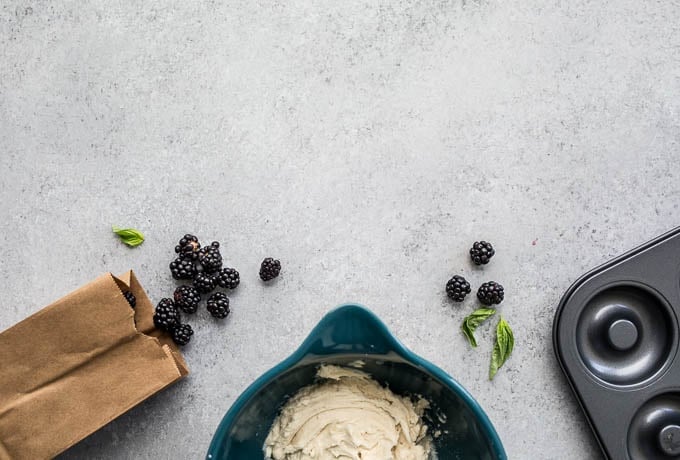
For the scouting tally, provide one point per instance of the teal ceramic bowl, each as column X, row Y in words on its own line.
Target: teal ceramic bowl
column 345, row 335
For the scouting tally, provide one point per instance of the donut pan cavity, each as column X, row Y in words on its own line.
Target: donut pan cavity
column 616, row 338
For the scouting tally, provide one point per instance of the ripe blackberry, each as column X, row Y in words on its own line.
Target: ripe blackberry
column 130, row 297
column 227, row 278
column 269, row 269
column 188, row 247
column 218, row 305
column 457, row 288
column 187, row 298
column 181, row 334
column 182, row 269
column 210, row 257
column 204, row 282
column 166, row 315
column 490, row 293
column 481, row 252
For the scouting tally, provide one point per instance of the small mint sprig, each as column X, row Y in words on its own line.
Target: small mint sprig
column 129, row 236
column 473, row 320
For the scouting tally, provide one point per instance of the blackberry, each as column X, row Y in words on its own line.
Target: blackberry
column 182, row 269
column 188, row 247
column 218, row 305
column 227, row 278
column 187, row 298
column 481, row 252
column 166, row 316
column 181, row 334
column 457, row 288
column 210, row 257
column 204, row 282
column 130, row 297
column 269, row 269
column 490, row 293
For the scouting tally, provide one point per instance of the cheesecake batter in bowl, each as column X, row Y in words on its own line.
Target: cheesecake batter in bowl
column 348, row 416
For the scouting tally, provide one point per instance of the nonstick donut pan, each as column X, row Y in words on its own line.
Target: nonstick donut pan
column 616, row 338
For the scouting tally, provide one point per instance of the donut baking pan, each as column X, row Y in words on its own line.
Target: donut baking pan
column 616, row 338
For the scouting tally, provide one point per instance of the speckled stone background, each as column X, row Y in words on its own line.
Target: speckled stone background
column 366, row 145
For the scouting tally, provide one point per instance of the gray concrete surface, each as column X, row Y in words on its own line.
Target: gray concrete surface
column 366, row 145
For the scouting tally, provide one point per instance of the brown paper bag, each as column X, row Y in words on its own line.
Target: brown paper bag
column 79, row 363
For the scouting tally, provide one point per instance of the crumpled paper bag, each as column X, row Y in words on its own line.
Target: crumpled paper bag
column 77, row 364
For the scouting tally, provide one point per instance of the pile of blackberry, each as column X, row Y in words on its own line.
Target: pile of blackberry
column 489, row 293
column 202, row 267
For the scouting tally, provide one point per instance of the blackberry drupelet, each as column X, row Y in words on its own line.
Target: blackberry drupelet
column 166, row 316
column 182, row 269
column 187, row 298
column 210, row 257
column 130, row 297
column 218, row 305
column 204, row 282
column 269, row 269
column 181, row 334
column 188, row 247
column 457, row 288
column 227, row 278
column 481, row 252
column 490, row 293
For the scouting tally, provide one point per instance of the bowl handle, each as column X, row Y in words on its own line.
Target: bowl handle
column 350, row 328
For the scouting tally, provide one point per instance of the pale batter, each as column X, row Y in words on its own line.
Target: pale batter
column 348, row 416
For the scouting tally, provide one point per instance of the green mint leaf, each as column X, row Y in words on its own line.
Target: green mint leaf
column 473, row 320
column 505, row 342
column 129, row 236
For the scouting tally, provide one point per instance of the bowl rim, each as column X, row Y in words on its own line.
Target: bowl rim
column 396, row 346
